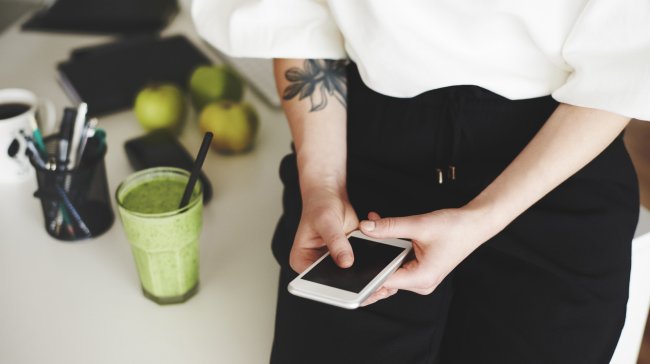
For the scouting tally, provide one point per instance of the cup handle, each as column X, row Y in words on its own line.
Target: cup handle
column 46, row 116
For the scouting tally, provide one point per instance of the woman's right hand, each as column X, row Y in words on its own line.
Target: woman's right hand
column 319, row 129
column 327, row 217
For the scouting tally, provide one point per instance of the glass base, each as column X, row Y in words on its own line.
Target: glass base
column 172, row 300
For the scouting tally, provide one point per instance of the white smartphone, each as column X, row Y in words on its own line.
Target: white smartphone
column 374, row 261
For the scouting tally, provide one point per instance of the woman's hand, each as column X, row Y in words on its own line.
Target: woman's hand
column 441, row 240
column 319, row 131
column 327, row 218
column 570, row 138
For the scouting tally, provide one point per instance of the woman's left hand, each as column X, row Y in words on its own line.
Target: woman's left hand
column 570, row 138
column 441, row 240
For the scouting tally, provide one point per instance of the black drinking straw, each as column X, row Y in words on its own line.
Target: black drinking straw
column 196, row 169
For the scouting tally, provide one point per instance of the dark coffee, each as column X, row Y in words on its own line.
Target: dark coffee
column 9, row 110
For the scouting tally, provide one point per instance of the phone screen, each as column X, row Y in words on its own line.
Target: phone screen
column 370, row 258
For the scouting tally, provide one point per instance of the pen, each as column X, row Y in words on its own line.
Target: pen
column 89, row 128
column 38, row 137
column 51, row 163
column 65, row 132
column 75, row 214
column 75, row 140
column 35, row 155
column 100, row 134
column 65, row 136
column 33, row 151
column 62, row 218
column 66, row 220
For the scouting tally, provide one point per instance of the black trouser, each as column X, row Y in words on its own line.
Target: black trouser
column 551, row 288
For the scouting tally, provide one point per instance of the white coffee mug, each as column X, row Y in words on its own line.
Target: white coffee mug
column 17, row 107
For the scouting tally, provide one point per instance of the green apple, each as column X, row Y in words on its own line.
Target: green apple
column 215, row 83
column 160, row 107
column 233, row 124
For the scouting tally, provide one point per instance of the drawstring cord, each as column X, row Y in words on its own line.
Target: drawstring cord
column 448, row 130
column 457, row 129
column 440, row 143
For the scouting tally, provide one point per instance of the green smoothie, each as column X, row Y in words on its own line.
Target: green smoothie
column 164, row 239
column 155, row 196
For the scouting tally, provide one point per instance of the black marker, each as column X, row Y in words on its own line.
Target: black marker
column 65, row 134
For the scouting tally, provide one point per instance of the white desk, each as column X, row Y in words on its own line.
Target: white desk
column 81, row 303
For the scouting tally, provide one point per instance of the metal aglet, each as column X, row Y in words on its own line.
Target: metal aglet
column 439, row 176
column 452, row 173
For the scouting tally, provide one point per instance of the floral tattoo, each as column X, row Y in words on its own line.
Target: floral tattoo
column 318, row 80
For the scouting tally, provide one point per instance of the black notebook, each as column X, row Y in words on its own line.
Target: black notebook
column 104, row 16
column 108, row 77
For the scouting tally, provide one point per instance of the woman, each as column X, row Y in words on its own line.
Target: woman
column 637, row 141
column 488, row 133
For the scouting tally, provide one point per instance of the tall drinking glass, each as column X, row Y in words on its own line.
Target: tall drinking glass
column 164, row 239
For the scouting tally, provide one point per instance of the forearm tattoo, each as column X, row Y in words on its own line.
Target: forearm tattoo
column 318, row 80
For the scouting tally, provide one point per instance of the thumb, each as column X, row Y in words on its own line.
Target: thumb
column 340, row 250
column 337, row 243
column 400, row 279
column 391, row 227
column 411, row 277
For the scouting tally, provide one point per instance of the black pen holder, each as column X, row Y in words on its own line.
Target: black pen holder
column 75, row 201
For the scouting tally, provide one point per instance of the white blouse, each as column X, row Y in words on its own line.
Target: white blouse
column 591, row 53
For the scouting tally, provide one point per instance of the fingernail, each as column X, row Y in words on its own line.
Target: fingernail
column 368, row 225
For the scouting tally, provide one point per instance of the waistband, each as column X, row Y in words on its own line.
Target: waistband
column 447, row 129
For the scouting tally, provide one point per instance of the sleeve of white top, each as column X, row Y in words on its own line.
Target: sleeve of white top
column 609, row 52
column 269, row 28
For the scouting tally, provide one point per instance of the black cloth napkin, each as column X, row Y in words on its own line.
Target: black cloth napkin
column 104, row 16
column 108, row 77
